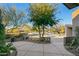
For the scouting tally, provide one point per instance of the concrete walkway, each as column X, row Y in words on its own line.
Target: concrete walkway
column 56, row 48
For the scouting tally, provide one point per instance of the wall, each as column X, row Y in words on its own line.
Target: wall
column 75, row 23
column 68, row 31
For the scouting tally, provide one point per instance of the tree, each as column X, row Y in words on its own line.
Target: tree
column 42, row 15
column 59, row 29
column 11, row 16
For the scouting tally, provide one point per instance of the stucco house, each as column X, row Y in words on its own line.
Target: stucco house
column 70, row 30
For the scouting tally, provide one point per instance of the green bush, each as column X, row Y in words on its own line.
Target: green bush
column 2, row 34
column 6, row 49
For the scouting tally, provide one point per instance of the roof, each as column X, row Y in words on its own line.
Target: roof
column 71, row 5
column 75, row 13
column 68, row 26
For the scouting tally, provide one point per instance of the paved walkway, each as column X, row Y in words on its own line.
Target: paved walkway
column 56, row 48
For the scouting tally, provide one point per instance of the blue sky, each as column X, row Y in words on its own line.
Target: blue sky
column 63, row 12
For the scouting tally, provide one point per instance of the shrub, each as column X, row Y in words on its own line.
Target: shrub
column 71, row 42
column 6, row 49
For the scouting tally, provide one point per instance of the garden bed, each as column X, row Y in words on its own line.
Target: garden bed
column 69, row 47
column 46, row 40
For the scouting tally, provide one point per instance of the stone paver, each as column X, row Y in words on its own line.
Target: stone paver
column 56, row 48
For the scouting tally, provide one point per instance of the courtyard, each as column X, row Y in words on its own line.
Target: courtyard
column 55, row 48
column 38, row 30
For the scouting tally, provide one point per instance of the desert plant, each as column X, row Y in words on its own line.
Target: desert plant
column 75, row 41
column 77, row 35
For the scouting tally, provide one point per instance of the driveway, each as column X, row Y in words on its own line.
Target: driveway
column 56, row 48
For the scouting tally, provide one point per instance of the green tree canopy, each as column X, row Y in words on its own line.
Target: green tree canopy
column 42, row 15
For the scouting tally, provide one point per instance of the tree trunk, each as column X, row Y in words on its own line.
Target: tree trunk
column 43, row 31
column 39, row 31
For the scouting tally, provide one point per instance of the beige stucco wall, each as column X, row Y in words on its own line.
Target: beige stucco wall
column 75, row 23
column 68, row 31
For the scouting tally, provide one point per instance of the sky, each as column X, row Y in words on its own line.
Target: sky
column 63, row 12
